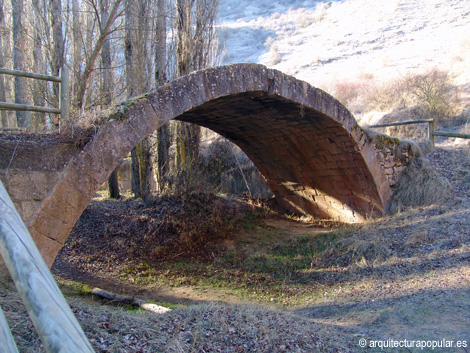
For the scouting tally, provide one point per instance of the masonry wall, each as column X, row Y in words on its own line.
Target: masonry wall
column 393, row 154
column 30, row 166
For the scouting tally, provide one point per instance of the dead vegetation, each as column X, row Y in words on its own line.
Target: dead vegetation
column 419, row 185
column 176, row 225
column 433, row 91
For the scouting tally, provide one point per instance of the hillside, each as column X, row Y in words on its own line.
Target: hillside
column 325, row 41
column 353, row 43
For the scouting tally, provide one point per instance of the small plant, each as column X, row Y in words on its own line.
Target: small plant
column 274, row 55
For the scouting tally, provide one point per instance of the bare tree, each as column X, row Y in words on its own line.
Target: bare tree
column 163, row 137
column 19, row 42
column 195, row 40
column 105, row 29
column 3, row 88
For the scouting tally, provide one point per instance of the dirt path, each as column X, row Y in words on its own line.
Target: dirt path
column 185, row 295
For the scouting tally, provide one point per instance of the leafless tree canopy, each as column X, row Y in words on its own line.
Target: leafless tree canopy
column 115, row 49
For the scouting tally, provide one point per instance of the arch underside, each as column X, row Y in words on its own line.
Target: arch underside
column 310, row 161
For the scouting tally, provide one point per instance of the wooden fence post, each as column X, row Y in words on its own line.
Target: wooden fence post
column 64, row 94
column 55, row 323
column 431, row 136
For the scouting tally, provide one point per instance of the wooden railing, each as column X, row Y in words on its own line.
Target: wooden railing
column 52, row 317
column 431, row 129
column 64, row 81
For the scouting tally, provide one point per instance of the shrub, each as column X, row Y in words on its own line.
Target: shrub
column 348, row 92
column 274, row 56
column 386, row 96
column 434, row 91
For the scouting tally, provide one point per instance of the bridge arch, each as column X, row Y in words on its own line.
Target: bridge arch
column 306, row 144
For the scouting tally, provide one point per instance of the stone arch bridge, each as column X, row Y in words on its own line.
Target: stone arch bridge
column 312, row 153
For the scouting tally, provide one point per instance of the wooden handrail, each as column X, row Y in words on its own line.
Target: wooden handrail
column 431, row 127
column 29, row 108
column 451, row 134
column 29, row 75
column 63, row 79
column 408, row 122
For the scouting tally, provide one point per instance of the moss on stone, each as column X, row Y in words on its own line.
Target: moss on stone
column 382, row 141
column 129, row 103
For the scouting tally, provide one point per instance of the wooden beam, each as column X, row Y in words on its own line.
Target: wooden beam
column 55, row 323
column 451, row 134
column 408, row 122
column 29, row 75
column 13, row 129
column 30, row 108
column 157, row 309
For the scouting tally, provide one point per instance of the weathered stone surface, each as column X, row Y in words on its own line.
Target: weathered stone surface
column 35, row 155
column 309, row 148
column 27, row 185
column 27, row 210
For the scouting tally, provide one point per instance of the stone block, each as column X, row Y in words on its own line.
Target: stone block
column 27, row 210
column 30, row 184
column 47, row 247
column 53, row 225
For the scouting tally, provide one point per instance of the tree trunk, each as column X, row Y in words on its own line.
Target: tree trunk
column 163, row 133
column 137, row 83
column 57, row 57
column 4, row 114
column 39, row 86
column 135, row 173
column 160, row 54
column 106, row 88
column 19, row 40
column 187, row 135
column 113, row 185
column 142, row 169
column 76, row 46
